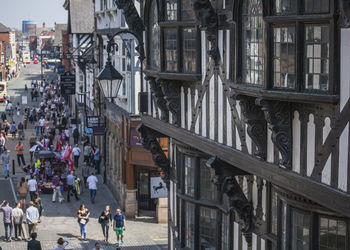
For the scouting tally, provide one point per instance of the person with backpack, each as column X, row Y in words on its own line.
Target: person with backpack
column 119, row 226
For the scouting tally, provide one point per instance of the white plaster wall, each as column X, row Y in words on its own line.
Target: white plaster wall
column 343, row 159
column 296, row 143
column 326, row 173
column 310, row 145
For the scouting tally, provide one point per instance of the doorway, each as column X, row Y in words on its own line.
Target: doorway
column 143, row 179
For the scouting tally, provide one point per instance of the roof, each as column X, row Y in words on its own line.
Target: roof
column 4, row 29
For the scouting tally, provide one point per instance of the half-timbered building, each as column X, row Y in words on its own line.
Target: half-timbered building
column 254, row 98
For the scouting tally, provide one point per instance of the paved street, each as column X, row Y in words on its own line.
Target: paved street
column 60, row 220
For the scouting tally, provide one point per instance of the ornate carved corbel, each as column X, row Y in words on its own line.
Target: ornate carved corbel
column 208, row 21
column 158, row 96
column 279, row 117
column 225, row 178
column 172, row 94
column 150, row 142
column 344, row 13
column 254, row 118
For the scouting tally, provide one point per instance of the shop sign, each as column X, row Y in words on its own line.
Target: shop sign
column 89, row 131
column 99, row 131
column 158, row 188
column 67, row 84
column 92, row 121
column 135, row 138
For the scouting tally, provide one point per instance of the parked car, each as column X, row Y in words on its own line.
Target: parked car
column 35, row 61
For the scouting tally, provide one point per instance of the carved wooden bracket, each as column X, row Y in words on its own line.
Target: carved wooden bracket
column 225, row 178
column 208, row 21
column 279, row 117
column 150, row 142
column 158, row 96
column 257, row 127
column 172, row 94
column 344, row 13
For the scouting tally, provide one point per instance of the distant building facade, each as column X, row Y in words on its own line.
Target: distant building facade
column 29, row 27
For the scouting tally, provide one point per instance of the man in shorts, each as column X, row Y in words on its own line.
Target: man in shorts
column 119, row 226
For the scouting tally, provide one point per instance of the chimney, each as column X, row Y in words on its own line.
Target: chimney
column 44, row 25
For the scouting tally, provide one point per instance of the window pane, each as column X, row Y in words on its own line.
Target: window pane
column 170, row 36
column 208, row 190
column 208, row 228
column 317, row 57
column 284, row 58
column 187, row 10
column 332, row 234
column 190, row 225
column 284, row 227
column 274, row 204
column 190, row 50
column 283, row 7
column 189, row 175
column 300, row 230
column 171, row 10
column 225, row 229
column 253, row 42
column 154, row 55
column 316, row 6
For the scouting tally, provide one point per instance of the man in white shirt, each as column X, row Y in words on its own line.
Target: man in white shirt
column 76, row 153
column 92, row 181
column 41, row 124
column 33, row 186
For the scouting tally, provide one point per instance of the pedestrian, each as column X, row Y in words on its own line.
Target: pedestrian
column 71, row 184
column 61, row 244
column 41, row 125
column 119, row 226
column 85, row 173
column 105, row 219
column 97, row 159
column 20, row 157
column 76, row 135
column 34, row 244
column 39, row 205
column 18, row 216
column 5, row 157
column 20, row 128
column 83, row 219
column 23, row 189
column 56, row 181
column 8, row 219
column 87, row 151
column 2, row 143
column 33, row 187
column 3, row 116
column 92, row 181
column 97, row 246
column 76, row 153
column 32, row 216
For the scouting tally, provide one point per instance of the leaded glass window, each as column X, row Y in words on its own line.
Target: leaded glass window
column 317, row 57
column 190, row 225
column 207, row 225
column 284, row 58
column 189, row 175
column 154, row 39
column 170, row 47
column 208, row 190
column 332, row 234
column 190, row 50
column 300, row 230
column 316, row 6
column 171, row 10
column 283, row 7
column 253, row 42
column 187, row 10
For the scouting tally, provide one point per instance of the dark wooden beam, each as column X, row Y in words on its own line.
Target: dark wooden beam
column 322, row 194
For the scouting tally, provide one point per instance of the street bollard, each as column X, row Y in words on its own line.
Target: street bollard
column 13, row 167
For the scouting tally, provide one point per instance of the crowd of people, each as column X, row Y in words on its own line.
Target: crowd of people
column 53, row 166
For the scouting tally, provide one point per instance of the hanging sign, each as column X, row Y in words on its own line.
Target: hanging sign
column 92, row 121
column 158, row 188
column 67, row 84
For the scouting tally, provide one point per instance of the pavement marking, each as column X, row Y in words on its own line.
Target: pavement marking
column 13, row 190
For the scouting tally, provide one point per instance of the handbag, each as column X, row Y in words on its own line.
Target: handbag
column 83, row 221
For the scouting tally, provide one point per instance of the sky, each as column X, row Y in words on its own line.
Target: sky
column 48, row 11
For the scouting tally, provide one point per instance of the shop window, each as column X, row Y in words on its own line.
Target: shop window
column 253, row 43
column 189, row 175
column 208, row 230
column 190, row 225
column 154, row 37
column 300, row 230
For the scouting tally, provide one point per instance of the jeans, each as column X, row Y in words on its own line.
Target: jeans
column 93, row 194
column 76, row 161
column 19, row 158
column 32, row 194
column 71, row 188
column 83, row 230
column 57, row 191
column 105, row 229
column 18, row 230
column 7, row 235
column 97, row 166
column 6, row 169
column 37, row 131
